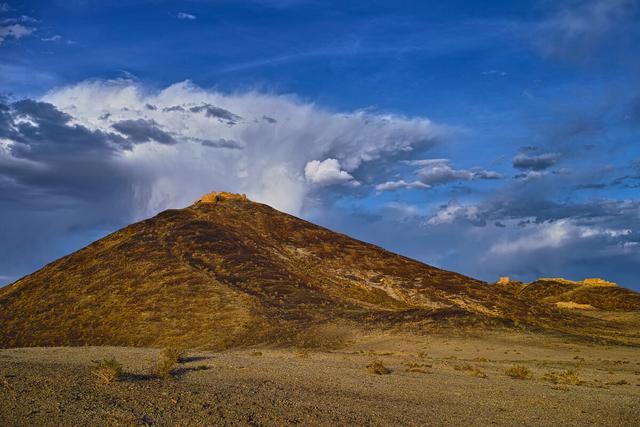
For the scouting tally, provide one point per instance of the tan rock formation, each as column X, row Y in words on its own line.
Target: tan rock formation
column 218, row 196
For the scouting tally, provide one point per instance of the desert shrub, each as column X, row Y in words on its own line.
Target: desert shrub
column 302, row 352
column 173, row 353
column 106, row 370
column 621, row 382
column 417, row 367
column 519, row 372
column 476, row 372
column 563, row 377
column 377, row 367
column 167, row 361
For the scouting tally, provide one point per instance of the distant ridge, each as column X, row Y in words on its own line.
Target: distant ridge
column 587, row 294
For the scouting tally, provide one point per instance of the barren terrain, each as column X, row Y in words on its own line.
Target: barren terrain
column 435, row 380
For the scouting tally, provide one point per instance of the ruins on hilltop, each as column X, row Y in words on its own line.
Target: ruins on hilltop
column 218, row 196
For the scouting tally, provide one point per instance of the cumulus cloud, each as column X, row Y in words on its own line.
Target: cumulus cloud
column 211, row 140
column 68, row 162
column 15, row 31
column 327, row 172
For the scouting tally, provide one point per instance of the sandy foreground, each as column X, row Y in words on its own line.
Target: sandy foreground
column 435, row 380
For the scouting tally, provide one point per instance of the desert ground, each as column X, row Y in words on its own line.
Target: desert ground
column 437, row 379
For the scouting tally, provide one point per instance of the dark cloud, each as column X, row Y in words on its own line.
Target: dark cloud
column 39, row 131
column 536, row 162
column 56, row 177
column 216, row 112
column 141, row 130
column 222, row 143
column 269, row 119
column 173, row 108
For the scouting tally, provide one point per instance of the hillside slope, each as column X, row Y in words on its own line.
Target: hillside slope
column 227, row 271
column 607, row 296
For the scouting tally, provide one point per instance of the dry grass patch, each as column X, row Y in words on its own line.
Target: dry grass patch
column 167, row 360
column 302, row 353
column 566, row 377
column 472, row 370
column 518, row 372
column 417, row 367
column 107, row 370
column 377, row 367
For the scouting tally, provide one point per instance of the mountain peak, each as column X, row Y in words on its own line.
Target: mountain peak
column 219, row 196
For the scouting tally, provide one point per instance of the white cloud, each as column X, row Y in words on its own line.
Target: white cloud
column 440, row 171
column 271, row 160
column 396, row 185
column 556, row 234
column 15, row 31
column 187, row 16
column 54, row 38
column 454, row 211
column 327, row 172
column 575, row 29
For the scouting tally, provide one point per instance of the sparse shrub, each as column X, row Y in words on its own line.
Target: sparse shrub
column 378, row 368
column 302, row 352
column 167, row 360
column 417, row 367
column 256, row 353
column 173, row 353
column 476, row 372
column 621, row 382
column 518, row 372
column 107, row 370
column 567, row 376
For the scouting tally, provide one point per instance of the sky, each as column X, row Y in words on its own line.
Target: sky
column 490, row 138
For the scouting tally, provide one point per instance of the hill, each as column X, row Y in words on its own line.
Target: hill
column 227, row 272
column 587, row 294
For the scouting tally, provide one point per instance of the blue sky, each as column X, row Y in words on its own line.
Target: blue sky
column 491, row 138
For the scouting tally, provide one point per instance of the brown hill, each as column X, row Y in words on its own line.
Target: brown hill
column 227, row 271
column 589, row 293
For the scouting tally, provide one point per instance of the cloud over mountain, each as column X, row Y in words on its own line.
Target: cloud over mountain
column 137, row 152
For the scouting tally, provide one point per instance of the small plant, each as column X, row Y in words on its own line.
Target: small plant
column 167, row 360
column 567, row 376
column 474, row 371
column 621, row 382
column 377, row 367
column 519, row 372
column 107, row 370
column 302, row 353
column 173, row 353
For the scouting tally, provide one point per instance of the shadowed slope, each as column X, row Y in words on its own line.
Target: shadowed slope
column 229, row 272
